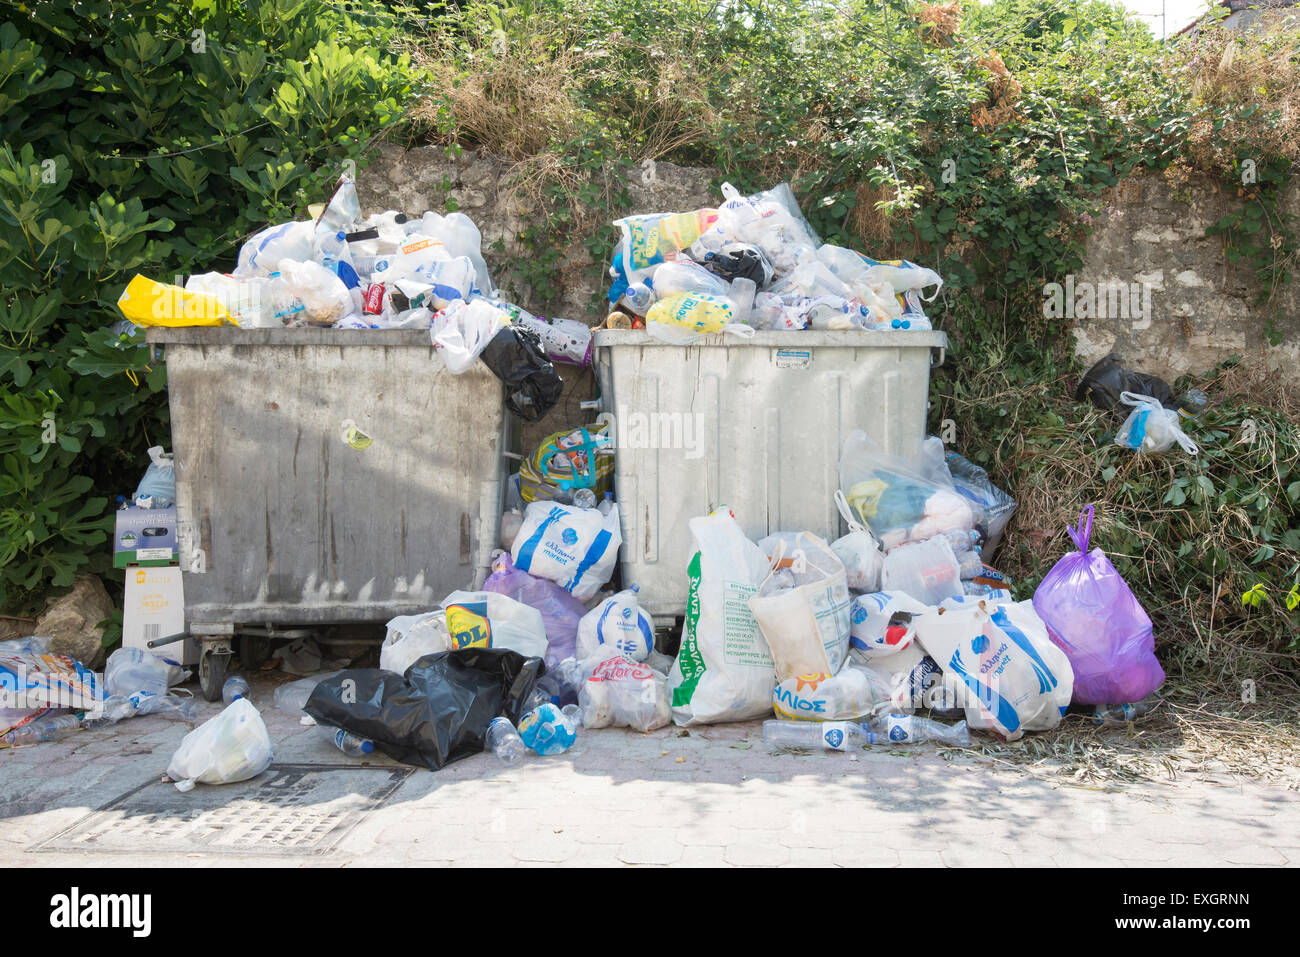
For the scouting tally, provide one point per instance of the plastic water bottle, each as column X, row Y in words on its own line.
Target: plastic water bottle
column 911, row 729
column 584, row 498
column 573, row 715
column 47, row 728
column 639, row 297
column 1118, row 715
column 606, row 503
column 811, row 735
column 234, row 688
column 350, row 744
column 1192, row 404
column 504, row 741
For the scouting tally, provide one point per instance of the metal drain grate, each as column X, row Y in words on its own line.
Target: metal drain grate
column 290, row 809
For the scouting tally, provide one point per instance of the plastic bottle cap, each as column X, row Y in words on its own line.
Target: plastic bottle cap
column 367, row 747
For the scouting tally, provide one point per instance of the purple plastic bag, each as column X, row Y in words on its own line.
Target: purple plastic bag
column 1093, row 617
column 561, row 612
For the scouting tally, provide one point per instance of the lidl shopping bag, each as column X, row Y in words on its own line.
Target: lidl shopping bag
column 723, row 670
column 574, row 547
column 1096, row 620
column 802, row 606
column 486, row 619
column 1013, row 678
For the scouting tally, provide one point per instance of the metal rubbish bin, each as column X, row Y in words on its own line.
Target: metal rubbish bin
column 756, row 424
column 284, row 522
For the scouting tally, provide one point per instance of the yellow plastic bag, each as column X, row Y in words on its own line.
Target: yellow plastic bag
column 149, row 303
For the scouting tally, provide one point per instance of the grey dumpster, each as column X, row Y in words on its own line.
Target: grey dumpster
column 755, row 424
column 282, row 521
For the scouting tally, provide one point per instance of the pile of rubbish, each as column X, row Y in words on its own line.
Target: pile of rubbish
column 752, row 264
column 387, row 271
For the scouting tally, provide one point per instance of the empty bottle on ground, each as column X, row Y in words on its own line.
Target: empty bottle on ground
column 829, row 735
column 234, row 688
column 48, row 728
column 504, row 741
column 350, row 744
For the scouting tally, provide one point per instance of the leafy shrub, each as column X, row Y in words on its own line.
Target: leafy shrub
column 145, row 135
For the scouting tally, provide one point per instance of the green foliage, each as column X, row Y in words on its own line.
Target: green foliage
column 144, row 136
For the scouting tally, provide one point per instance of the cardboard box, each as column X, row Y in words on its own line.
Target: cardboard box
column 146, row 537
column 154, row 607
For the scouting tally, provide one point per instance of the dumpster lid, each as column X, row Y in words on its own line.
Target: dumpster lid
column 788, row 339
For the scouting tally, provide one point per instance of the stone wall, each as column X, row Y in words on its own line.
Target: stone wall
column 1151, row 235
column 1202, row 309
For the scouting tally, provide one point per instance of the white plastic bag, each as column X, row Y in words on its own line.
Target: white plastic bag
column 410, row 637
column 683, row 276
column 616, row 624
column 617, row 692
column 911, row 676
column 129, row 670
column 928, row 571
column 262, row 255
column 576, row 548
column 324, row 297
column 1150, row 427
column 859, row 551
column 802, row 606
column 1014, row 679
column 724, row 669
column 883, row 623
column 488, row 619
column 233, row 746
column 461, row 237
column 849, row 694
column 463, row 330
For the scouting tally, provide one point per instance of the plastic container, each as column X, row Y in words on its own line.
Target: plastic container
column 757, row 423
column 350, row 744
column 503, row 740
column 48, row 728
column 814, row 735
column 546, row 730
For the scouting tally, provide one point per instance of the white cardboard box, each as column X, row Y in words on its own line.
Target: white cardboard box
column 154, row 607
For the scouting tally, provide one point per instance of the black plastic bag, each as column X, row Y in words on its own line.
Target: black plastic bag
column 516, row 357
column 1104, row 382
column 740, row 260
column 438, row 712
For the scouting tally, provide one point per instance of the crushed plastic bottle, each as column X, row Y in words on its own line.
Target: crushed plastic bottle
column 503, row 740
column 1119, row 715
column 546, row 730
column 118, row 707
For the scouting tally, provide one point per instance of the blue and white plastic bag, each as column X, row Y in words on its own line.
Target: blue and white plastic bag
column 1013, row 679
column 617, row 624
column 576, row 548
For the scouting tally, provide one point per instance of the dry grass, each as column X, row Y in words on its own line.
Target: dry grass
column 1217, row 738
column 939, row 22
column 1224, row 69
column 1003, row 91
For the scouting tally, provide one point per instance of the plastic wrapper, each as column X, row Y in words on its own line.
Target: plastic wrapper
column 648, row 241
column 995, row 507
column 685, row 276
column 438, row 712
column 1093, row 616
column 564, row 340
column 928, row 571
column 485, row 619
column 560, row 611
column 149, row 303
column 324, row 297
column 533, row 386
column 684, row 318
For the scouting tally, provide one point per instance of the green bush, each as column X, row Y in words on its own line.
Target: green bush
column 145, row 136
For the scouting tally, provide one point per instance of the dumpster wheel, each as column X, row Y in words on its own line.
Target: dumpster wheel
column 212, row 672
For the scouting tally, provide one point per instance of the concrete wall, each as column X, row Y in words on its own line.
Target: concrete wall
column 1151, row 233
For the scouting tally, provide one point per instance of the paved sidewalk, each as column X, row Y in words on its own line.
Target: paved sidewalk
column 714, row 797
